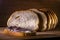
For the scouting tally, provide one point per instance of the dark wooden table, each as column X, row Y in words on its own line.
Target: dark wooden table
column 39, row 35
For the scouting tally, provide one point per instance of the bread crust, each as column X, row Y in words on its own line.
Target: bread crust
column 17, row 34
column 12, row 33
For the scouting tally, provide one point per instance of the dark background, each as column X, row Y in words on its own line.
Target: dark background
column 7, row 7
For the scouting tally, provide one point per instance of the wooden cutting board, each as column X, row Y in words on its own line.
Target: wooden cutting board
column 39, row 35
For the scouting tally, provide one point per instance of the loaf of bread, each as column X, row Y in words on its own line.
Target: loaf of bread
column 33, row 20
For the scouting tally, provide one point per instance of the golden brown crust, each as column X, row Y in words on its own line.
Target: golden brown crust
column 17, row 34
column 11, row 33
